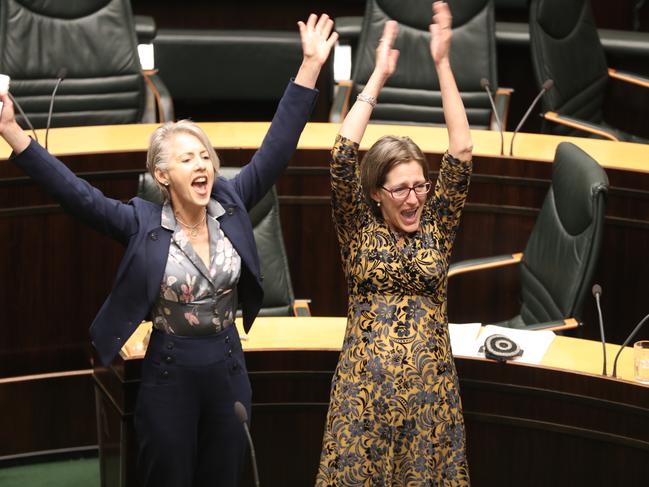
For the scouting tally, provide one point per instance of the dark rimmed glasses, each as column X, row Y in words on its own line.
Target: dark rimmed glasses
column 401, row 194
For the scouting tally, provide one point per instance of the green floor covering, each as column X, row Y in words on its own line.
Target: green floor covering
column 68, row 473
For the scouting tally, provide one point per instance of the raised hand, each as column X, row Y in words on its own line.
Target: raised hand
column 9, row 128
column 440, row 30
column 317, row 41
column 317, row 38
column 386, row 55
column 7, row 116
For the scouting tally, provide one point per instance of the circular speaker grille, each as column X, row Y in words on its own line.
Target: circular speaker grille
column 500, row 347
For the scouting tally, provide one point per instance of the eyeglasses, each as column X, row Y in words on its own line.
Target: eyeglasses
column 403, row 193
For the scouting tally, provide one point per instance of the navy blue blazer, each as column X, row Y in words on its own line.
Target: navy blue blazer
column 137, row 224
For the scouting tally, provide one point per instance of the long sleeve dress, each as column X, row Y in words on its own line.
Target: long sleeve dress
column 395, row 416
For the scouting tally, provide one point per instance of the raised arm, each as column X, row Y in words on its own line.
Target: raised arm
column 347, row 199
column 452, row 183
column 292, row 114
column 355, row 123
column 76, row 196
column 460, row 144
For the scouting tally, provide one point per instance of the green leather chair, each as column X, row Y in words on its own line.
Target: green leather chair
column 279, row 299
column 559, row 260
column 95, row 42
column 566, row 48
column 412, row 95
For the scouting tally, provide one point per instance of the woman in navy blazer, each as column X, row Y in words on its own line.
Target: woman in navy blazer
column 187, row 431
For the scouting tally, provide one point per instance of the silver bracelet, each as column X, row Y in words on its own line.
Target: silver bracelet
column 367, row 99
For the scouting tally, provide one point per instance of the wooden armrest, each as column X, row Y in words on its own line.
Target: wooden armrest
column 579, row 125
column 301, row 307
column 502, row 101
column 161, row 94
column 340, row 105
column 558, row 325
column 482, row 264
column 628, row 78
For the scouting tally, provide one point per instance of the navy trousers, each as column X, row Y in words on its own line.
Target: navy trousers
column 188, row 434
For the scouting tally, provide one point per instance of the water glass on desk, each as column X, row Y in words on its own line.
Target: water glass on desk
column 641, row 361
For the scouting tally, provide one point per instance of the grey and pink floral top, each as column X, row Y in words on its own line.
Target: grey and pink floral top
column 195, row 300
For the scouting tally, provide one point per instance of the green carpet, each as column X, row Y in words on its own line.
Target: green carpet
column 68, row 473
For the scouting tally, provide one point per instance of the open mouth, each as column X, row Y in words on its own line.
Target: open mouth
column 409, row 216
column 200, row 185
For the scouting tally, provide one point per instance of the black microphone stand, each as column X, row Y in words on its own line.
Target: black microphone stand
column 597, row 292
column 484, row 82
column 626, row 342
column 59, row 79
column 547, row 85
column 242, row 415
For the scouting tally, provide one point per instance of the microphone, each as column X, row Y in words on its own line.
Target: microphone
column 484, row 84
column 626, row 342
column 547, row 85
column 597, row 292
column 242, row 415
column 60, row 76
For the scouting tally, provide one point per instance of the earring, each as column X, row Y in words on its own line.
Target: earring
column 378, row 203
column 166, row 183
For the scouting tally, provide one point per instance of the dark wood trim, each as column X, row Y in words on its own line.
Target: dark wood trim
column 549, row 393
column 562, row 429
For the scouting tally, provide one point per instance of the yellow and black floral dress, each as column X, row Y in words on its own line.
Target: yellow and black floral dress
column 395, row 416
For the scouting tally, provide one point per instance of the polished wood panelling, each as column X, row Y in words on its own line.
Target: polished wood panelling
column 48, row 414
column 521, row 420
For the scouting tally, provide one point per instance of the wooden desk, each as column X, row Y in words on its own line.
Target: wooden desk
column 115, row 139
column 279, row 334
column 523, row 422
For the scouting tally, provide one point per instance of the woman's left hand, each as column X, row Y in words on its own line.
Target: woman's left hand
column 317, row 38
column 440, row 30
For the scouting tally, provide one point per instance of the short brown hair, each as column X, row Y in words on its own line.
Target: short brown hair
column 158, row 153
column 387, row 152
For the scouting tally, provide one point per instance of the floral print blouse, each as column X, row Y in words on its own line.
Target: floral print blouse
column 195, row 300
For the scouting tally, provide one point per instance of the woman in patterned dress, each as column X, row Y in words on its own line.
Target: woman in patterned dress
column 395, row 416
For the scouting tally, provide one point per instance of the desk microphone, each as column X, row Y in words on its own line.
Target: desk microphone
column 597, row 292
column 626, row 342
column 547, row 85
column 484, row 84
column 242, row 415
column 60, row 76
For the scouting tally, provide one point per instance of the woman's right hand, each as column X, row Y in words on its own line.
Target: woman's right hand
column 386, row 55
column 7, row 116
column 9, row 128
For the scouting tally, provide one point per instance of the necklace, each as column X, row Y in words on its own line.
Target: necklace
column 193, row 229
